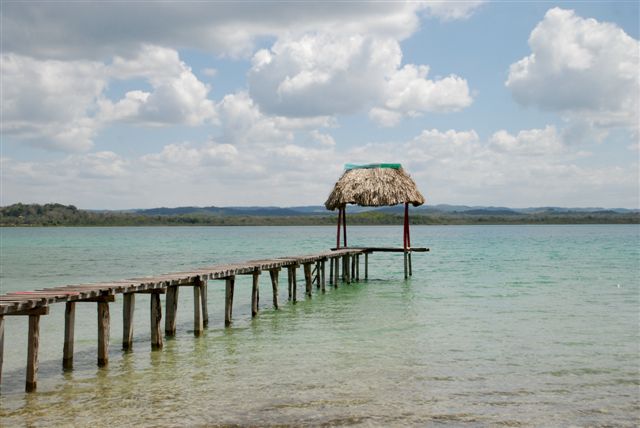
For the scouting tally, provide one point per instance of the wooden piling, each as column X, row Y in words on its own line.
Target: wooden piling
column 353, row 267
column 410, row 273
column 254, row 294
column 273, row 273
column 69, row 324
column 366, row 265
column 290, row 282
column 228, row 301
column 156, row 318
column 32, row 352
column 1, row 345
column 317, row 277
column 330, row 271
column 171, row 309
column 406, row 274
column 357, row 257
column 308, row 280
column 322, row 272
column 128, row 306
column 203, row 300
column 198, row 326
column 336, row 272
column 346, row 273
column 103, row 333
column 294, row 283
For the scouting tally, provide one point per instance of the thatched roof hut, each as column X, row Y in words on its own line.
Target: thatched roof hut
column 374, row 185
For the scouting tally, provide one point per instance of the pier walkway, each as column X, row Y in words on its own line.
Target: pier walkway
column 344, row 265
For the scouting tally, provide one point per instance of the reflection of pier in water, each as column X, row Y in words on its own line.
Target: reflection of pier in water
column 344, row 264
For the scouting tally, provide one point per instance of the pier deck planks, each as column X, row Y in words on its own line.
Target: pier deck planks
column 14, row 303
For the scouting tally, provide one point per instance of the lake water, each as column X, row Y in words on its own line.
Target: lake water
column 499, row 326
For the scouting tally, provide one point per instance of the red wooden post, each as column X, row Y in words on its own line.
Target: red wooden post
column 344, row 224
column 406, row 226
column 338, row 231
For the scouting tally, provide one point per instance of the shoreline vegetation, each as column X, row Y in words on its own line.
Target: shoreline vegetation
column 68, row 215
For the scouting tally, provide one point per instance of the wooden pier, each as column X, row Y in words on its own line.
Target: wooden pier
column 344, row 265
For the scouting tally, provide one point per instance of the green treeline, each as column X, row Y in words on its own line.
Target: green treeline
column 68, row 215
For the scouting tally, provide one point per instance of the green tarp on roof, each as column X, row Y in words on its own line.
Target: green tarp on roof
column 350, row 166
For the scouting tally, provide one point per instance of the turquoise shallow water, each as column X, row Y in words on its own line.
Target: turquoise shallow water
column 499, row 326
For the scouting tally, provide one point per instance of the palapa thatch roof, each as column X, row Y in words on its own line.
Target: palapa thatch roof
column 374, row 186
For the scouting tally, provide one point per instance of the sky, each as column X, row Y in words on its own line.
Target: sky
column 121, row 105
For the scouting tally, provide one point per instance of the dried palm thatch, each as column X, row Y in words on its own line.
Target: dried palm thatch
column 371, row 186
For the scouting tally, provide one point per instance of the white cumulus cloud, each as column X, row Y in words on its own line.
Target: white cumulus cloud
column 49, row 103
column 410, row 93
column 585, row 69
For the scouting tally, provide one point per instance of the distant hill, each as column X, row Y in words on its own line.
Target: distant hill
column 68, row 215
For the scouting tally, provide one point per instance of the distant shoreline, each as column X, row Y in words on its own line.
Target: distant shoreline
column 57, row 215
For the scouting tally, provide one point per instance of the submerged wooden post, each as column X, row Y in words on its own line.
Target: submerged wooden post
column 156, row 318
column 254, row 294
column 347, row 273
column 366, row 265
column 228, row 300
column 33, row 343
column 198, row 327
column 406, row 272
column 129, row 303
column 69, row 324
column 308, row 279
column 1, row 345
column 336, row 272
column 290, row 282
column 322, row 272
column 32, row 352
column 357, row 256
column 294, row 285
column 103, row 333
column 353, row 266
column 203, row 299
column 330, row 271
column 273, row 273
column 171, row 309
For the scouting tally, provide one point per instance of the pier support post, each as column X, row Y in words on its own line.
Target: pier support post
column 197, row 309
column 353, row 266
column 366, row 265
column 357, row 257
column 273, row 273
column 1, row 345
column 203, row 298
column 406, row 272
column 294, row 283
column 254, row 294
column 345, row 272
column 69, row 324
column 336, row 272
column 410, row 273
column 228, row 300
column 318, row 273
column 290, row 282
column 128, row 306
column 171, row 310
column 330, row 271
column 308, row 280
column 156, row 318
column 322, row 272
column 103, row 333
column 32, row 352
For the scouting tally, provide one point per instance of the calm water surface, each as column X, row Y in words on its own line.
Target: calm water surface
column 499, row 326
